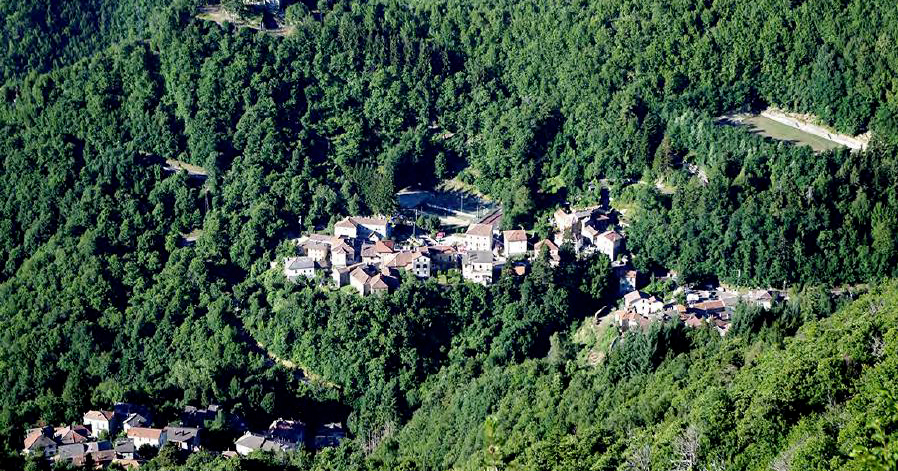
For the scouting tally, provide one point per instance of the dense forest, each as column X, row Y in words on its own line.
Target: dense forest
column 532, row 104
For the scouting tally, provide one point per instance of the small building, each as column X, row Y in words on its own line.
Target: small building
column 101, row 421
column 340, row 275
column 186, row 438
column 38, row 441
column 135, row 420
column 515, row 242
column 343, row 254
column 363, row 227
column 100, row 459
column 329, row 435
column 627, row 279
column 420, row 265
column 764, row 298
column 299, row 267
column 610, row 243
column 317, row 251
column 648, row 305
column 479, row 237
column 251, row 442
column 568, row 226
column 68, row 453
column 477, row 266
column 290, row 433
column 71, row 434
column 359, row 278
column 632, row 297
column 551, row 250
column 141, row 436
column 124, row 449
column 443, row 257
column 374, row 254
column 591, row 235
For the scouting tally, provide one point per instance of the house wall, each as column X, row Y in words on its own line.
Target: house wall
column 516, row 248
column 475, row 242
column 345, row 231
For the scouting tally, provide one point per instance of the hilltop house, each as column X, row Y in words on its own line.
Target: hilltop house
column 477, row 266
column 363, row 228
column 610, row 243
column 479, row 237
column 101, row 421
column 515, row 242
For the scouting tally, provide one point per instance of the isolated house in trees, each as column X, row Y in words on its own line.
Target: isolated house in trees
column 515, row 242
column 101, row 421
column 363, row 228
column 610, row 243
column 477, row 266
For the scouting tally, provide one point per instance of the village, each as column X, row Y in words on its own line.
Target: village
column 126, row 435
column 365, row 256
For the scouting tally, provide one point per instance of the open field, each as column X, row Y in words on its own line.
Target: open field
column 766, row 127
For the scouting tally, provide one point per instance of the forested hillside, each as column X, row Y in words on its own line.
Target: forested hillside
column 533, row 104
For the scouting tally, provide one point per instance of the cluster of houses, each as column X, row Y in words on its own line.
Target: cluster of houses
column 361, row 253
column 289, row 435
column 702, row 307
column 120, row 436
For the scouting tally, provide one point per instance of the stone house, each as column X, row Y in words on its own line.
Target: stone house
column 477, row 266
column 479, row 237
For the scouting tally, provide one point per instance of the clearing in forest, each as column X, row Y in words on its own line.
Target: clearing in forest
column 764, row 126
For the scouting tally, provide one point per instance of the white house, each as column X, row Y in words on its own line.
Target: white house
column 363, row 227
column 101, row 421
column 295, row 267
column 147, row 436
column 343, row 254
column 479, row 237
column 515, row 242
column 317, row 251
column 420, row 265
column 610, row 244
column 477, row 266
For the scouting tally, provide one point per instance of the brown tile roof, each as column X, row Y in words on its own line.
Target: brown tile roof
column 633, row 296
column 545, row 243
column 99, row 415
column 480, row 230
column 613, row 236
column 345, row 222
column 516, row 235
column 141, row 432
column 384, row 246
